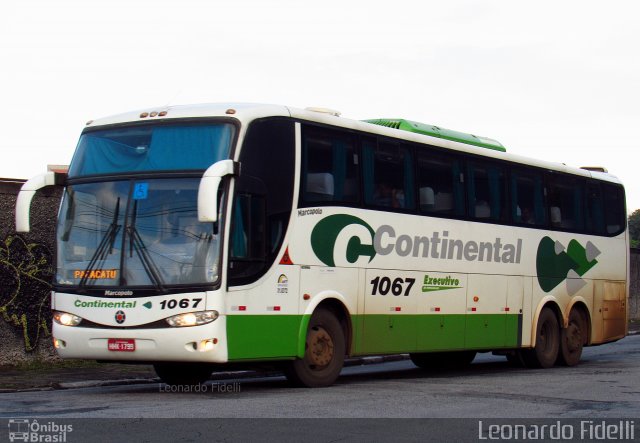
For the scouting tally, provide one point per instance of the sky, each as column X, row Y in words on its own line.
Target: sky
column 554, row 80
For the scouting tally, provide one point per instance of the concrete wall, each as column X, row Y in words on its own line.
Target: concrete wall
column 26, row 270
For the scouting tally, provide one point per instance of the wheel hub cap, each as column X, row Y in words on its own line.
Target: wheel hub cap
column 320, row 347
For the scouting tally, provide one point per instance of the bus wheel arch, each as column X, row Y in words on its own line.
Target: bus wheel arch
column 335, row 304
column 325, row 349
column 546, row 340
column 581, row 307
column 551, row 304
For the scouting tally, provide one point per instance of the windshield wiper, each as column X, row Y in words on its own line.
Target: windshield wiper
column 106, row 244
column 136, row 243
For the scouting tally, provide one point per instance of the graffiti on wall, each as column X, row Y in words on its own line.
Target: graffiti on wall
column 26, row 270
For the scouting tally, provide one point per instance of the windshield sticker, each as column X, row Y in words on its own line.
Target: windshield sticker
column 140, row 191
column 96, row 274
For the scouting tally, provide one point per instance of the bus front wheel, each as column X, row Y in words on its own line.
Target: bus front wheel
column 324, row 353
column 545, row 353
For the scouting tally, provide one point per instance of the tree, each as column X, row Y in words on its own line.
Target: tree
column 634, row 228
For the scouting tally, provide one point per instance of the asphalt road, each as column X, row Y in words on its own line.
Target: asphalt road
column 606, row 385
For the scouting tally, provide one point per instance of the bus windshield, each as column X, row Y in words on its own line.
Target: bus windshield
column 136, row 232
column 144, row 148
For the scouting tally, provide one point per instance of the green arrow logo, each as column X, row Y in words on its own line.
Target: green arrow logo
column 147, row 305
column 555, row 263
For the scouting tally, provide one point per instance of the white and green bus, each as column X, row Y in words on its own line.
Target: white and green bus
column 191, row 237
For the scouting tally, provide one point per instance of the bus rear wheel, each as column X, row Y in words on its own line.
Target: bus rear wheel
column 545, row 352
column 183, row 373
column 443, row 360
column 572, row 339
column 324, row 353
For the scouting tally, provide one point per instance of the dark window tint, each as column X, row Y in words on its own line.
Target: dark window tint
column 440, row 190
column 330, row 168
column 486, row 187
column 527, row 199
column 263, row 198
column 614, row 208
column 565, row 197
column 595, row 209
column 388, row 175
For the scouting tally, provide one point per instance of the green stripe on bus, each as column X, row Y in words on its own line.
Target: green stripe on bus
column 282, row 336
column 262, row 336
column 418, row 333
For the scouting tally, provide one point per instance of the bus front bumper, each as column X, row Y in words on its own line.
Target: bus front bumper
column 205, row 343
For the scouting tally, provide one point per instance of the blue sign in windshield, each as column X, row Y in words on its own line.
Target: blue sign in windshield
column 151, row 148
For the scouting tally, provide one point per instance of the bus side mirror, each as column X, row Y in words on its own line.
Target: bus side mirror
column 28, row 190
column 208, row 189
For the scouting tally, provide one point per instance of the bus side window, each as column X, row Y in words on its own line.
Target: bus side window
column 486, row 191
column 388, row 175
column 566, row 203
column 614, row 208
column 595, row 209
column 319, row 186
column 438, row 183
column 330, row 167
column 527, row 198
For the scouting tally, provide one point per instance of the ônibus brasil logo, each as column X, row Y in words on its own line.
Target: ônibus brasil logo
column 341, row 239
column 555, row 264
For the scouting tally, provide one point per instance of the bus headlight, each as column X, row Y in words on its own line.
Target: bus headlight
column 66, row 319
column 192, row 318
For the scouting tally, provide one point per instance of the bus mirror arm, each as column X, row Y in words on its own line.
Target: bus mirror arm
column 28, row 191
column 208, row 189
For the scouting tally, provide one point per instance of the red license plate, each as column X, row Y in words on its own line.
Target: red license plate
column 121, row 344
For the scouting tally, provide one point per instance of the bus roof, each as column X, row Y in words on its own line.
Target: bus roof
column 436, row 131
column 397, row 128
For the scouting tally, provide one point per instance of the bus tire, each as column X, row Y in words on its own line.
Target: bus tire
column 175, row 374
column 572, row 339
column 324, row 353
column 545, row 352
column 443, row 360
